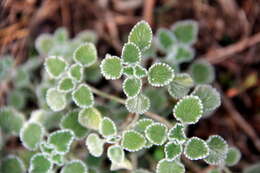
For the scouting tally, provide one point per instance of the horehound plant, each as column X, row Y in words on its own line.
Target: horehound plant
column 84, row 124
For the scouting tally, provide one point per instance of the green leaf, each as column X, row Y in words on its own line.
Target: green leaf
column 90, row 118
column 233, row 156
column 160, row 74
column 12, row 164
column 40, row 163
column 180, row 86
column 140, row 171
column 139, row 104
column 186, row 31
column 141, row 35
column 76, row 72
column 44, row 43
column 83, row 97
column 172, row 150
column 158, row 99
column 11, row 121
column 132, row 141
column 156, row 133
column 61, row 140
column 165, row 39
column 95, row 145
column 58, row 159
column 177, row 133
column 6, row 64
column 87, row 36
column 31, row 135
column 111, row 67
column 218, row 149
column 75, row 166
column 113, row 139
column 142, row 124
column 131, row 54
column 215, row 170
column 55, row 66
column 86, row 54
column 116, row 154
column 66, row 85
column 126, row 164
column 70, row 121
column 196, row 149
column 188, row 110
column 165, row 166
column 16, row 99
column 132, row 87
column 21, row 78
column 46, row 148
column 202, row 72
column 209, row 97
column 61, row 35
column 140, row 72
column 180, row 54
column 107, row 128
column 55, row 99
column 128, row 71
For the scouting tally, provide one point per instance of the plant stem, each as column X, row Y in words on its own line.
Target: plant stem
column 122, row 101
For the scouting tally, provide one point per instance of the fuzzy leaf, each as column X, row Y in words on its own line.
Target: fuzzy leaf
column 61, row 140
column 141, row 35
column 188, row 110
column 131, row 54
column 87, row 36
column 61, row 35
column 95, row 145
column 116, row 154
column 12, row 164
column 58, row 159
column 55, row 66
column 142, row 124
column 160, row 74
column 177, row 133
column 44, row 43
column 215, row 170
column 202, row 72
column 107, row 127
column 31, row 135
column 132, row 141
column 165, row 39
column 90, row 118
column 132, row 87
column 11, row 121
column 165, row 166
column 233, row 156
column 128, row 71
column 21, row 78
column 139, row 104
column 83, row 97
column 218, row 149
column 156, row 133
column 40, row 163
column 196, row 149
column 186, row 31
column 16, row 99
column 46, row 148
column 158, row 99
column 181, row 53
column 55, row 99
column 180, row 86
column 86, row 54
column 111, row 67
column 76, row 72
column 126, row 164
column 70, row 121
column 76, row 166
column 172, row 150
column 209, row 97
column 6, row 64
column 66, row 85
column 140, row 72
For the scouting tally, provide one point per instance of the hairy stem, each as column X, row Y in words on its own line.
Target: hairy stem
column 122, row 101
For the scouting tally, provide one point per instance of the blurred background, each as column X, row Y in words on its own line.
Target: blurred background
column 229, row 38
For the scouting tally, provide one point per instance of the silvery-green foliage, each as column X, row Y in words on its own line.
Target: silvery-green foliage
column 12, row 164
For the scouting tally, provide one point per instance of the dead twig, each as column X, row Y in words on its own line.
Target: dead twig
column 219, row 55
